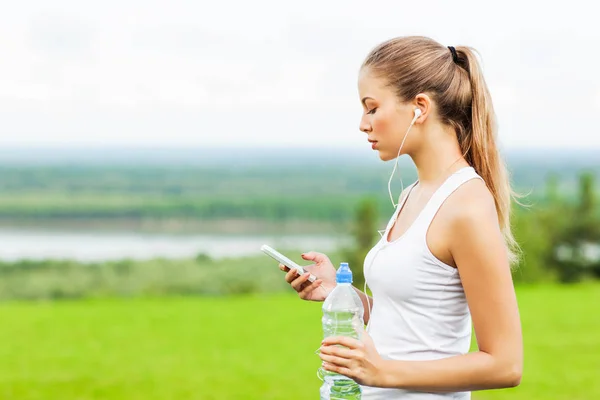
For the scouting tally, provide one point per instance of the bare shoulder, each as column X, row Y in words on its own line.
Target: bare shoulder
column 466, row 222
column 471, row 203
column 475, row 236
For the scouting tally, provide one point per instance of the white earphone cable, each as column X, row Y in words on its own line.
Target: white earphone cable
column 417, row 115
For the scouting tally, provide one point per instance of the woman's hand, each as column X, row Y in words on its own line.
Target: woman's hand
column 358, row 360
column 322, row 269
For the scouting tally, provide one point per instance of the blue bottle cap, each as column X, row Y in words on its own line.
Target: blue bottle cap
column 344, row 274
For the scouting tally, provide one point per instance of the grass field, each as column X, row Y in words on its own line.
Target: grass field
column 249, row 348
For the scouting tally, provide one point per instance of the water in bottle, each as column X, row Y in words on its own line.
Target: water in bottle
column 343, row 315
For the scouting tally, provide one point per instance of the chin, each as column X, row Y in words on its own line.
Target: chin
column 386, row 156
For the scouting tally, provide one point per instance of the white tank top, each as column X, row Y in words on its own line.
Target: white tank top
column 419, row 306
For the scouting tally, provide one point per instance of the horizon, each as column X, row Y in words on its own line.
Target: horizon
column 210, row 156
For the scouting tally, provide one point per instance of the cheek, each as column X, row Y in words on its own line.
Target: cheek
column 382, row 125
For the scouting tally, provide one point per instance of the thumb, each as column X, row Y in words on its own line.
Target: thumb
column 314, row 256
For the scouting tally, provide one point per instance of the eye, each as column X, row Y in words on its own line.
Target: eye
column 372, row 111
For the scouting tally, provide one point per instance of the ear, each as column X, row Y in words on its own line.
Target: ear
column 423, row 102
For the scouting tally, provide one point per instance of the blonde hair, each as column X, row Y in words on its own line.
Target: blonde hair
column 415, row 64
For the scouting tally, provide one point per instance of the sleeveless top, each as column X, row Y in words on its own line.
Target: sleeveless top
column 419, row 307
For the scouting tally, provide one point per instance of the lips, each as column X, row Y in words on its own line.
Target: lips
column 373, row 144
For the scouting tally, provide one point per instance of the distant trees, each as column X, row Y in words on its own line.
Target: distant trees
column 576, row 247
column 364, row 235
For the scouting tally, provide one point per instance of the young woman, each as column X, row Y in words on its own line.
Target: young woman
column 443, row 262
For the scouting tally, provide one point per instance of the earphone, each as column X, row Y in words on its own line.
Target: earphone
column 417, row 113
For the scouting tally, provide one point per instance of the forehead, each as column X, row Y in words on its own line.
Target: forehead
column 370, row 85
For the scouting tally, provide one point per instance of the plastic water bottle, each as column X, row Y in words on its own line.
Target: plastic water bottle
column 343, row 315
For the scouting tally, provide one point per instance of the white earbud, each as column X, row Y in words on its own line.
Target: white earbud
column 417, row 113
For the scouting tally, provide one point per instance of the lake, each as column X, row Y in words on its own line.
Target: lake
column 101, row 246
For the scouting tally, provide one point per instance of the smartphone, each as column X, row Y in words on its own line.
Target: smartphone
column 285, row 261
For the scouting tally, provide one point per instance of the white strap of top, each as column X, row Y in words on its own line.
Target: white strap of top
column 452, row 183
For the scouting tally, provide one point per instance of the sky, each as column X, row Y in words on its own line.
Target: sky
column 272, row 73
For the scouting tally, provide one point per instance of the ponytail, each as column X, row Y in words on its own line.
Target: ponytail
column 413, row 65
column 480, row 149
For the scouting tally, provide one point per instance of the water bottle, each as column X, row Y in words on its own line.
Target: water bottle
column 343, row 315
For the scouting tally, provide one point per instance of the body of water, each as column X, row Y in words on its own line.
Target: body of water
column 94, row 246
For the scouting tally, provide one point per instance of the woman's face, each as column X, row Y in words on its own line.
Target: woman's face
column 385, row 119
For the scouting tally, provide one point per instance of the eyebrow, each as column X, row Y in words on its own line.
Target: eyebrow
column 364, row 100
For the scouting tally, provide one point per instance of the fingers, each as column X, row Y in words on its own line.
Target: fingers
column 349, row 342
column 340, row 370
column 314, row 256
column 343, row 362
column 336, row 351
column 299, row 281
column 283, row 268
column 291, row 275
column 309, row 288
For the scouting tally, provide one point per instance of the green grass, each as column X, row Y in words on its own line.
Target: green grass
column 250, row 347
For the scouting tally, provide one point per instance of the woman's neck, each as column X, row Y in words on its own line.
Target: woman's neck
column 437, row 158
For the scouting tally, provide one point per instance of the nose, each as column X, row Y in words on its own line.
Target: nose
column 365, row 126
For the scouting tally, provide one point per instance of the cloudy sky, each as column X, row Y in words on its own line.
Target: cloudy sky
column 275, row 73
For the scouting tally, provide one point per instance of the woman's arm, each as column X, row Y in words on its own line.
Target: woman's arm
column 479, row 252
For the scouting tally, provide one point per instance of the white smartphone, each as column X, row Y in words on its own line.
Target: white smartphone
column 285, row 261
